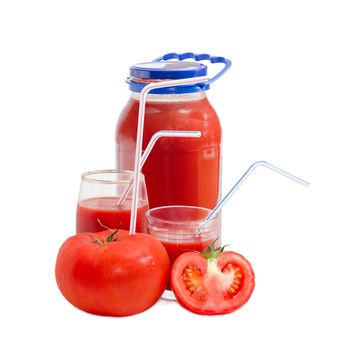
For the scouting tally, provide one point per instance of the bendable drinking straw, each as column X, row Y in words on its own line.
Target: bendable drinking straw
column 153, row 140
column 248, row 172
column 140, row 125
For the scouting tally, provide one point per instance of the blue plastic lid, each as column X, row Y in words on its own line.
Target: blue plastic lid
column 168, row 70
column 173, row 66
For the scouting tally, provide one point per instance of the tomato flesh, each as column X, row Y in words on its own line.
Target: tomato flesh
column 212, row 286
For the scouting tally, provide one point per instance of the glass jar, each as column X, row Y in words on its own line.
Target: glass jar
column 178, row 171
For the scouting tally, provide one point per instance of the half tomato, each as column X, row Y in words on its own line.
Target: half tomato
column 213, row 282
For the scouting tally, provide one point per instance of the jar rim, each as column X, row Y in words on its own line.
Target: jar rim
column 137, row 86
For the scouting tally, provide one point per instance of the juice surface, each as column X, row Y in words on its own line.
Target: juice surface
column 178, row 171
column 109, row 213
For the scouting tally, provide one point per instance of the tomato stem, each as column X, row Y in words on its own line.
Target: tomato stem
column 211, row 252
column 113, row 237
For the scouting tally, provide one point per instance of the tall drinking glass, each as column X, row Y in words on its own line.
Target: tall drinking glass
column 99, row 199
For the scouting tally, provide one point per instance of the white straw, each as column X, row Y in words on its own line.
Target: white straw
column 255, row 165
column 140, row 126
column 153, row 140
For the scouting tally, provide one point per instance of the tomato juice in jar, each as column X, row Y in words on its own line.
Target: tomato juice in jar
column 176, row 227
column 178, row 171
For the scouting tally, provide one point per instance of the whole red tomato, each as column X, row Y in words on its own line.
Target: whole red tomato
column 213, row 282
column 112, row 274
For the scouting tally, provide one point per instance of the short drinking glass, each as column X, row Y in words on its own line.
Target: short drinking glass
column 175, row 227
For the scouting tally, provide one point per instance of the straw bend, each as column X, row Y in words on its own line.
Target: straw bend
column 152, row 142
column 247, row 173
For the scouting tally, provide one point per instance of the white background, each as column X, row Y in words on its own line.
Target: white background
column 62, row 70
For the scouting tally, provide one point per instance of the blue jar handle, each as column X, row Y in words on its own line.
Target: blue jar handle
column 199, row 57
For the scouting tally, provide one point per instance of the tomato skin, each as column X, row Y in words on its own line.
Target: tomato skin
column 215, row 299
column 119, row 278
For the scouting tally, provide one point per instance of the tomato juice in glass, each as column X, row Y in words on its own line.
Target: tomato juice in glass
column 110, row 214
column 175, row 227
column 179, row 171
column 101, row 197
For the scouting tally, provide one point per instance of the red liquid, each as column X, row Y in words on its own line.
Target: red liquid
column 178, row 171
column 109, row 213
